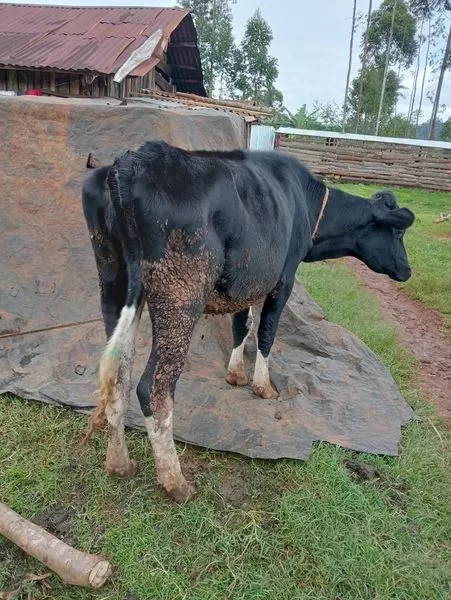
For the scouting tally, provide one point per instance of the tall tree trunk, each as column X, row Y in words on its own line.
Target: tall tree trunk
column 445, row 64
column 362, row 72
column 211, row 67
column 387, row 63
column 417, row 71
column 351, row 43
column 399, row 78
column 420, row 103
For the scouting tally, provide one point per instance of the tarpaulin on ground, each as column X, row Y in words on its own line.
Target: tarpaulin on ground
column 332, row 387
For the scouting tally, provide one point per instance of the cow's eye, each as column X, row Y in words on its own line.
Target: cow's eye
column 399, row 233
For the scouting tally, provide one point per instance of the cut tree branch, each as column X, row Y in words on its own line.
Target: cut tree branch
column 73, row 566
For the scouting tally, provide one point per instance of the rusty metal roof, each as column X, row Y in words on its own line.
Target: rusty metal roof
column 72, row 38
column 247, row 109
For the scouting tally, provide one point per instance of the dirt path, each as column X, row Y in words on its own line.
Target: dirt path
column 421, row 331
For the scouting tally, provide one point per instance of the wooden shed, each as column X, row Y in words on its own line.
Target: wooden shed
column 370, row 159
column 76, row 51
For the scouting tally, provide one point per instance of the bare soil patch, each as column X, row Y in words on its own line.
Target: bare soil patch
column 421, row 331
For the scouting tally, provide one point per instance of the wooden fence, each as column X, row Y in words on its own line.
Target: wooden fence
column 368, row 161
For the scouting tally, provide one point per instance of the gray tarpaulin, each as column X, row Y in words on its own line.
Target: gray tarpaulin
column 332, row 387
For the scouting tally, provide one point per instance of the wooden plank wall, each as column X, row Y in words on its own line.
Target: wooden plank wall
column 70, row 84
column 373, row 162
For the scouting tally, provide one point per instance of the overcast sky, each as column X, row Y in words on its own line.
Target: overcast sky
column 311, row 43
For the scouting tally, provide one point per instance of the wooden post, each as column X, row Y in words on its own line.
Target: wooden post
column 73, row 566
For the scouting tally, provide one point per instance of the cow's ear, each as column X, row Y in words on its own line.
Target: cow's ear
column 399, row 218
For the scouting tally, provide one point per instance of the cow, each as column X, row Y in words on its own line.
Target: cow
column 193, row 232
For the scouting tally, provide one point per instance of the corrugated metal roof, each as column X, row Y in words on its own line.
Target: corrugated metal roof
column 96, row 39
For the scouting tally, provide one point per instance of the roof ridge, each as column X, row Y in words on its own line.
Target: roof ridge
column 78, row 7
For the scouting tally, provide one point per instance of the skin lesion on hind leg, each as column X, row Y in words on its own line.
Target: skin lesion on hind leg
column 174, row 316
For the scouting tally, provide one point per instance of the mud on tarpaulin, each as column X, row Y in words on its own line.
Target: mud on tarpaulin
column 332, row 387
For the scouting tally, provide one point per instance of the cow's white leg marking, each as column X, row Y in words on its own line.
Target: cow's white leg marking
column 261, row 382
column 236, row 373
column 169, row 473
column 118, row 356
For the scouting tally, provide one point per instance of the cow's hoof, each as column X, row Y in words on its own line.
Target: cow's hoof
column 265, row 391
column 123, row 469
column 237, row 378
column 182, row 493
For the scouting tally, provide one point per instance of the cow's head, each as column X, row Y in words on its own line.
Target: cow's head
column 380, row 244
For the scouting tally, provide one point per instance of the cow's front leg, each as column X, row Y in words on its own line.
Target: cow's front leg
column 241, row 327
column 172, row 329
column 269, row 321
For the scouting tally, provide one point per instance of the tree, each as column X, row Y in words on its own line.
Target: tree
column 389, row 41
column 398, row 126
column 213, row 19
column 326, row 116
column 445, row 134
column 301, row 119
column 370, row 100
column 423, row 128
column 329, row 115
column 364, row 61
column 426, row 8
column 421, row 39
column 402, row 45
column 446, row 63
column 426, row 60
column 436, row 9
column 387, row 62
column 348, row 76
column 255, row 71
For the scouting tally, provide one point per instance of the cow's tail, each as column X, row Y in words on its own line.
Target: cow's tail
column 120, row 345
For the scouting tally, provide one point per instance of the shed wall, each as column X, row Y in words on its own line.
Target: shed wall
column 70, row 83
column 373, row 162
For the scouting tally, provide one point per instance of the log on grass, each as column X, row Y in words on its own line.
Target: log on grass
column 73, row 566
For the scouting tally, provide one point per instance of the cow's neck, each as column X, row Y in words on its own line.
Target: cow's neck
column 344, row 214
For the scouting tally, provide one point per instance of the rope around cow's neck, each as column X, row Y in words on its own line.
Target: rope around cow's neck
column 321, row 213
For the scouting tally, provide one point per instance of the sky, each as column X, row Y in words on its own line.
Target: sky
column 311, row 43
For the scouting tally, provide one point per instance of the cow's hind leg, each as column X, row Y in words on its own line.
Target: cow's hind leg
column 241, row 327
column 118, row 461
column 172, row 329
column 269, row 321
column 114, row 391
column 117, row 360
column 174, row 290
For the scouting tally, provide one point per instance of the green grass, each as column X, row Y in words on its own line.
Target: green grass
column 428, row 246
column 304, row 531
column 295, row 531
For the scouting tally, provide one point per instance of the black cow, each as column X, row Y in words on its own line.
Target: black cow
column 211, row 232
